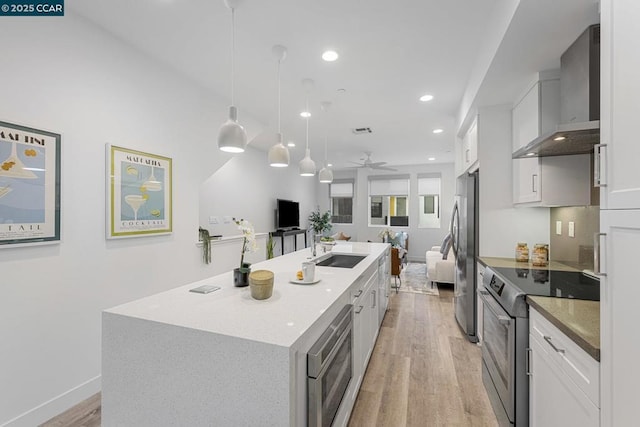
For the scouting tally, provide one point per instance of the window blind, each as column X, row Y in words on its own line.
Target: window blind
column 341, row 189
column 389, row 187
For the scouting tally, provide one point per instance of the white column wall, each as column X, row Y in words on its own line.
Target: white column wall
column 68, row 76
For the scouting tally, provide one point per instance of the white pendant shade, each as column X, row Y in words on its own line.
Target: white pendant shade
column 325, row 175
column 279, row 154
column 232, row 137
column 307, row 166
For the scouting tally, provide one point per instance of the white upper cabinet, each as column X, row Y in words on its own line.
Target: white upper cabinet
column 538, row 111
column 469, row 152
column 552, row 181
column 620, row 106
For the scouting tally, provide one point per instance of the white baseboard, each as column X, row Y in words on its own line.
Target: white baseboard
column 56, row 406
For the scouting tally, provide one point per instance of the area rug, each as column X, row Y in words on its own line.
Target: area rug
column 414, row 280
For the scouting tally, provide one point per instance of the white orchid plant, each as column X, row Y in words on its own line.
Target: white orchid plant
column 249, row 241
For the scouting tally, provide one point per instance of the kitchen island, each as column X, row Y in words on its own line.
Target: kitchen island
column 223, row 358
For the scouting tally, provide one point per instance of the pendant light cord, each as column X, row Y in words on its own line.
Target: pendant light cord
column 233, row 54
column 307, row 122
column 279, row 100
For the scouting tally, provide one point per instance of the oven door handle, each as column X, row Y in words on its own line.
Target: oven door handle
column 494, row 308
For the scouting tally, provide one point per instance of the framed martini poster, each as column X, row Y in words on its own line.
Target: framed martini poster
column 29, row 185
column 139, row 187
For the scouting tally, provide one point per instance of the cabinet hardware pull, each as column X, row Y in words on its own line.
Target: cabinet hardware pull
column 597, row 166
column 548, row 339
column 596, row 254
column 374, row 299
column 533, row 182
column 359, row 293
column 359, row 309
column 504, row 320
column 528, row 362
column 466, row 154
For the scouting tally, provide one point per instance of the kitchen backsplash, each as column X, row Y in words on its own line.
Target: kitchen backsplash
column 577, row 250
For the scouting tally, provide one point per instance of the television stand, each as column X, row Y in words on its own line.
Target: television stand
column 285, row 233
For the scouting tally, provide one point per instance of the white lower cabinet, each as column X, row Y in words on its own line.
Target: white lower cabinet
column 564, row 383
column 365, row 325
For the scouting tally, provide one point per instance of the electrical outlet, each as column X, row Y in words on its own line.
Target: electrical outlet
column 228, row 219
column 559, row 228
column 572, row 229
column 213, row 220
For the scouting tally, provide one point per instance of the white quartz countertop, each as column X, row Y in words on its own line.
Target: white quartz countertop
column 279, row 320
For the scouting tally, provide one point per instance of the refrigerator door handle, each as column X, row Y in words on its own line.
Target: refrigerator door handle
column 455, row 228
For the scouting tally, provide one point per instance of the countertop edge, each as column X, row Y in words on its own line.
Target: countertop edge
column 573, row 335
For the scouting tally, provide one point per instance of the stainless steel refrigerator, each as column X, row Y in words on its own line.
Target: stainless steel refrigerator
column 464, row 235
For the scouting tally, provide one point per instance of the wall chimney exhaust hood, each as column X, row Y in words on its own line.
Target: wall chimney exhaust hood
column 579, row 130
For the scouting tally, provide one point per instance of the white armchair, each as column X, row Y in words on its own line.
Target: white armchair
column 438, row 269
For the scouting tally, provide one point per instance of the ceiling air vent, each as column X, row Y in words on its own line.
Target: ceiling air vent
column 359, row 131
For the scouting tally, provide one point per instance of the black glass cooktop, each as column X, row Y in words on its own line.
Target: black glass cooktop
column 552, row 283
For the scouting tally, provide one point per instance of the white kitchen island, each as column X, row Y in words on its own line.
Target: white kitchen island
column 180, row 358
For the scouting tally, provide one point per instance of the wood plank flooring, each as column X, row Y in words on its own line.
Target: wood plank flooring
column 422, row 372
column 84, row 414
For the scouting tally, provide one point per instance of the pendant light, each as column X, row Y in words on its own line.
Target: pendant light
column 279, row 154
column 306, row 165
column 326, row 175
column 232, row 137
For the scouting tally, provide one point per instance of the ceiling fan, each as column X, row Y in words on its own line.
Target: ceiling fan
column 372, row 165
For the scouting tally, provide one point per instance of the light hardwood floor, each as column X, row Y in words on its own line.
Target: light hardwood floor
column 422, row 372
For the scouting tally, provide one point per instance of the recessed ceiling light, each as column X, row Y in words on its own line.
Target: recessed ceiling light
column 305, row 114
column 329, row 164
column 330, row 55
column 531, row 154
column 559, row 138
column 426, row 98
column 291, row 144
column 431, row 159
column 438, row 131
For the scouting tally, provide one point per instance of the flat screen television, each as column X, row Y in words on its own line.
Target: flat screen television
column 287, row 214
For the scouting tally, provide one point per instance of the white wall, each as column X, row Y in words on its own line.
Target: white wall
column 502, row 225
column 420, row 239
column 66, row 75
column 247, row 187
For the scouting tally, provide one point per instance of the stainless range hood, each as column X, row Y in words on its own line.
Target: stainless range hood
column 579, row 130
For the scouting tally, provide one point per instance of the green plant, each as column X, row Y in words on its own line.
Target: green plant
column 271, row 244
column 320, row 222
column 205, row 238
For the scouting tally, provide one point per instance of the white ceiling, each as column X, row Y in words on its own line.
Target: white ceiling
column 391, row 52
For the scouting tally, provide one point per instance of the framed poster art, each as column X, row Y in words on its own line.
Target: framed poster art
column 139, row 195
column 29, row 186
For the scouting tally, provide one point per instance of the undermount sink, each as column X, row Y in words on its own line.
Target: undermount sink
column 341, row 261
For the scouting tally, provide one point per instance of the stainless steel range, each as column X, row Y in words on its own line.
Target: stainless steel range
column 506, row 331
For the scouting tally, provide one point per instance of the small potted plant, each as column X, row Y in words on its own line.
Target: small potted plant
column 241, row 274
column 320, row 223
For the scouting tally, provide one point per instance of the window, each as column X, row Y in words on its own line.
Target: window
column 341, row 194
column 389, row 201
column 429, row 206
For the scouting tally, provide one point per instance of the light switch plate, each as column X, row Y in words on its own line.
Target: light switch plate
column 227, row 219
column 572, row 229
column 559, row 228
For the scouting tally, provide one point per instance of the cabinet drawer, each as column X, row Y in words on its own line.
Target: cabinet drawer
column 581, row 368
